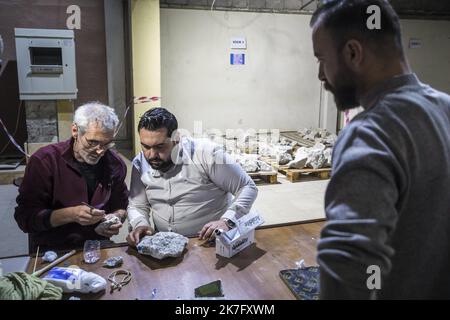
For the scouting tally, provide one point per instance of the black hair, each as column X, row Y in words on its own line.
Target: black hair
column 158, row 118
column 347, row 19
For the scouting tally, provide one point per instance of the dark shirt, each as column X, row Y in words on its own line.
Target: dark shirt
column 387, row 203
column 53, row 181
column 92, row 174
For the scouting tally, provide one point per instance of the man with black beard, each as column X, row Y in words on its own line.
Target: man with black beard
column 387, row 234
column 183, row 185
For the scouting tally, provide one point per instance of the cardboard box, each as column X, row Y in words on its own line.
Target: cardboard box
column 240, row 237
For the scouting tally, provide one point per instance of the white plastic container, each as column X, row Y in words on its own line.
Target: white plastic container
column 75, row 280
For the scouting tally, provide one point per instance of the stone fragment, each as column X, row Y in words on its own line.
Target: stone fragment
column 162, row 245
column 249, row 165
column 113, row 262
column 300, row 160
column 49, row 256
column 284, row 158
column 111, row 220
column 316, row 158
column 264, row 166
column 104, row 225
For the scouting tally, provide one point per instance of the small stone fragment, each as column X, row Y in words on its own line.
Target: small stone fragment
column 49, row 256
column 106, row 224
column 113, row 262
column 112, row 220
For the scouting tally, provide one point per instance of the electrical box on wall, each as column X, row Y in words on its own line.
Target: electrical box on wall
column 46, row 64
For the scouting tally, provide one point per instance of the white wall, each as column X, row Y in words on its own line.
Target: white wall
column 278, row 86
column 431, row 62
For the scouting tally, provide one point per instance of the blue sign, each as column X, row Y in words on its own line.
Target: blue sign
column 237, row 58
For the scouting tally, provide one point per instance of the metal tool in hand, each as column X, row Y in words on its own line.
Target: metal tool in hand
column 91, row 207
column 88, row 205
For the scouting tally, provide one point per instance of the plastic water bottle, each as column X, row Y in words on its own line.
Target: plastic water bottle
column 91, row 252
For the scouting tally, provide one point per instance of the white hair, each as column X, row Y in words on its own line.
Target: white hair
column 95, row 112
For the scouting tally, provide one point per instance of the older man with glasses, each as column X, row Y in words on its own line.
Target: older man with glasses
column 70, row 187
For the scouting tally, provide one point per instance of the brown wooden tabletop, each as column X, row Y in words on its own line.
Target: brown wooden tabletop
column 251, row 274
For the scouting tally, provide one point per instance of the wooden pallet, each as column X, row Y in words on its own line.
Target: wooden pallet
column 295, row 175
column 267, row 176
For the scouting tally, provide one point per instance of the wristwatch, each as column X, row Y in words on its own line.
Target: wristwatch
column 230, row 224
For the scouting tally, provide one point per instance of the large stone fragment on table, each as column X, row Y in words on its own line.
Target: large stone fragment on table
column 162, row 245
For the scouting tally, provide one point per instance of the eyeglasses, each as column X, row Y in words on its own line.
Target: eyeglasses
column 92, row 144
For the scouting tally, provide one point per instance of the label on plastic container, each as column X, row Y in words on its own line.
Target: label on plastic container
column 63, row 275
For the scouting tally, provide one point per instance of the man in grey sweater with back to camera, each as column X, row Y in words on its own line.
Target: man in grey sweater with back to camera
column 387, row 204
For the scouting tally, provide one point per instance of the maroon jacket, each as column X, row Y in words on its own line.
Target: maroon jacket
column 52, row 181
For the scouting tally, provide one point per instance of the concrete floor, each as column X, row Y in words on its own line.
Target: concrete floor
column 284, row 202
column 13, row 241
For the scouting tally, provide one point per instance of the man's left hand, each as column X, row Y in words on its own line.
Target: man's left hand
column 207, row 231
column 112, row 230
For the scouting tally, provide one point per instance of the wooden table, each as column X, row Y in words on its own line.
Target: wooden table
column 251, row 274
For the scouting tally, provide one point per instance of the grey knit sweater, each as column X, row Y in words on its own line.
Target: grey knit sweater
column 388, row 201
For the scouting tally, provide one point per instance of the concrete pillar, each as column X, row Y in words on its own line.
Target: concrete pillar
column 65, row 110
column 146, row 56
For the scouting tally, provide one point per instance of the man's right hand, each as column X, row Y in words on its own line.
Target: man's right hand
column 135, row 236
column 87, row 216
column 82, row 215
